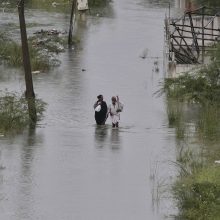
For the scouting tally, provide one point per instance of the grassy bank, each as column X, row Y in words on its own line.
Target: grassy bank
column 197, row 187
column 210, row 3
column 14, row 116
column 193, row 109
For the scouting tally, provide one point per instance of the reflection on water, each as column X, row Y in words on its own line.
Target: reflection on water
column 115, row 139
column 106, row 136
column 101, row 133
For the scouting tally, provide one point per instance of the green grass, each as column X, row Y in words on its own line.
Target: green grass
column 42, row 56
column 197, row 188
column 210, row 3
column 14, row 115
column 201, row 87
column 198, row 194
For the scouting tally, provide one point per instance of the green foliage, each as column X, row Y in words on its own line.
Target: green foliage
column 210, row 3
column 93, row 3
column 197, row 189
column 208, row 124
column 198, row 194
column 201, row 87
column 215, row 54
column 10, row 51
column 14, row 115
column 42, row 55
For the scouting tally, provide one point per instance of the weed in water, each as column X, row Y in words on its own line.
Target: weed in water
column 14, row 115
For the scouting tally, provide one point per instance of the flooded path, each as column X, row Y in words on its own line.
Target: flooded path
column 70, row 169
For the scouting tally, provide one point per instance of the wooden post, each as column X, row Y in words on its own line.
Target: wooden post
column 203, row 42
column 71, row 22
column 25, row 52
column 29, row 93
column 194, row 34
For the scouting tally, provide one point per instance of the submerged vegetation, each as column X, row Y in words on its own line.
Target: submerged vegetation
column 197, row 188
column 193, row 111
column 43, row 46
column 14, row 115
column 42, row 51
column 210, row 3
column 202, row 86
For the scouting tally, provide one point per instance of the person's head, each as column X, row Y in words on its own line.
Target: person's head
column 113, row 99
column 100, row 97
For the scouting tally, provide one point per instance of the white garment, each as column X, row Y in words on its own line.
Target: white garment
column 82, row 5
column 98, row 108
column 112, row 109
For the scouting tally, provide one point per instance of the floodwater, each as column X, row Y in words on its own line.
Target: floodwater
column 68, row 168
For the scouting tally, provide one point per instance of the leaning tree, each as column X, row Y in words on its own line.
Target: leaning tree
column 29, row 93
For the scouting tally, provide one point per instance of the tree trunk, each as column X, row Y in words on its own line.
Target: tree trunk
column 25, row 52
column 71, row 22
column 29, row 93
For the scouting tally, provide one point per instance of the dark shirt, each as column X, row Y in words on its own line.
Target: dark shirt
column 100, row 116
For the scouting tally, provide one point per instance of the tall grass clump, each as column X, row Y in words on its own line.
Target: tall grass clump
column 10, row 51
column 198, row 194
column 208, row 124
column 197, row 188
column 174, row 112
column 14, row 115
column 42, row 52
column 210, row 3
column 201, row 87
column 97, row 3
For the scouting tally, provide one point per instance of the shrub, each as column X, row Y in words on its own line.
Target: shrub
column 14, row 115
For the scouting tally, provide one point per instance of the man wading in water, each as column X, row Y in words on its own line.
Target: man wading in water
column 101, row 110
column 114, row 110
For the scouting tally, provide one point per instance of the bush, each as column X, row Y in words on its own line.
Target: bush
column 198, row 195
column 42, row 56
column 14, row 115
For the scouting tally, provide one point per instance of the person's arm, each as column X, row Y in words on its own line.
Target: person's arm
column 109, row 110
column 95, row 105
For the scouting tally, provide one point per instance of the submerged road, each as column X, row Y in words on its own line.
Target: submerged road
column 68, row 168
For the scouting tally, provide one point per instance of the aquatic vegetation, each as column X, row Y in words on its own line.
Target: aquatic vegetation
column 42, row 51
column 174, row 112
column 14, row 115
column 200, row 87
column 97, row 2
column 198, row 193
column 197, row 188
column 208, row 125
column 210, row 3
